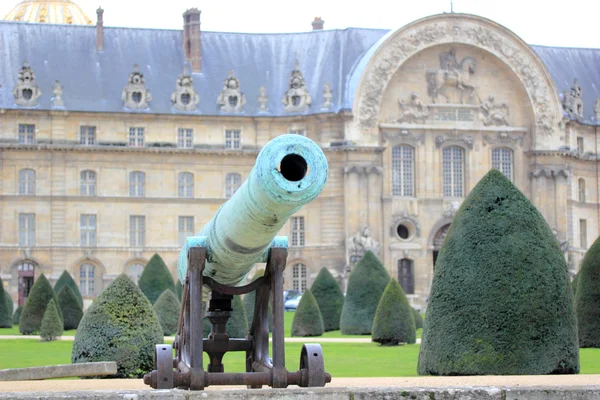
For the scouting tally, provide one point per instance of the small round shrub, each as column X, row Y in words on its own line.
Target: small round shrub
column 40, row 295
column 418, row 319
column 330, row 299
column 155, row 279
column 167, row 310
column 5, row 308
column 70, row 307
column 365, row 287
column 587, row 300
column 17, row 315
column 237, row 325
column 394, row 321
column 119, row 326
column 307, row 320
column 66, row 279
column 52, row 326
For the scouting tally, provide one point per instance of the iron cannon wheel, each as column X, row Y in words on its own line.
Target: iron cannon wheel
column 163, row 363
column 312, row 366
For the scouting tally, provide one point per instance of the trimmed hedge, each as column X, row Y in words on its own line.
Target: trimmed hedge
column 52, row 326
column 35, row 306
column 365, row 287
column 119, row 326
column 587, row 299
column 70, row 307
column 574, row 284
column 67, row 280
column 5, row 311
column 155, row 279
column 17, row 315
column 330, row 299
column 237, row 325
column 394, row 321
column 167, row 310
column 501, row 301
column 308, row 320
column 418, row 319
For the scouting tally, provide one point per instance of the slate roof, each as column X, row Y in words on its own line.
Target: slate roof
column 93, row 81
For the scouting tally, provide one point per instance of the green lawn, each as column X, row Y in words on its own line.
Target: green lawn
column 15, row 331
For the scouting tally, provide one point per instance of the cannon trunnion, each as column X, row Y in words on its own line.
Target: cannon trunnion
column 290, row 171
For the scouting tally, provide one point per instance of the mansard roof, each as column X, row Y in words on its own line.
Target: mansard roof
column 94, row 80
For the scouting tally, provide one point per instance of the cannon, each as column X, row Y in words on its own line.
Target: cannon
column 290, row 171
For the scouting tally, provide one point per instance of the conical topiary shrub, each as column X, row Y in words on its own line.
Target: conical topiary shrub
column 237, row 325
column 587, row 299
column 308, row 320
column 330, row 299
column 394, row 321
column 249, row 300
column 66, row 279
column 574, row 284
column 70, row 307
column 155, row 279
column 178, row 289
column 418, row 319
column 10, row 305
column 40, row 295
column 5, row 311
column 52, row 326
column 119, row 326
column 365, row 287
column 500, row 302
column 17, row 315
column 167, row 310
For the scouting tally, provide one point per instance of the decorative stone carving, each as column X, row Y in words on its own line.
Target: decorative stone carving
column 597, row 110
column 454, row 137
column 456, row 28
column 231, row 99
column 440, row 236
column 184, row 97
column 492, row 114
column 452, row 75
column 405, row 217
column 57, row 91
column 572, row 101
column 135, row 95
column 363, row 170
column 402, row 136
column 450, row 211
column 414, row 111
column 360, row 243
column 550, row 172
column 327, row 96
column 26, row 91
column 262, row 99
column 503, row 138
column 297, row 98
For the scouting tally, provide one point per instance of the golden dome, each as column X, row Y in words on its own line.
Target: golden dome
column 48, row 11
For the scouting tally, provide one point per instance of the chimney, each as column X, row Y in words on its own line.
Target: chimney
column 191, row 39
column 99, row 29
column 317, row 24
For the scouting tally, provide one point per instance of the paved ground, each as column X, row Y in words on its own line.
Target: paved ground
column 465, row 381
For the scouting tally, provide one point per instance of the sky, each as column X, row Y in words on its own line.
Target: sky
column 571, row 23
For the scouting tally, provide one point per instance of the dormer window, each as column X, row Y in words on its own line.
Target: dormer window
column 184, row 97
column 135, row 95
column 297, row 98
column 26, row 91
column 231, row 99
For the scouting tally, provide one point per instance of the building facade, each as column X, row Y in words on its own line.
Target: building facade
column 117, row 143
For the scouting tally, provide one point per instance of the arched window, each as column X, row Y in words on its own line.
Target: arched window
column 27, row 182
column 502, row 160
column 134, row 271
column 87, row 277
column 137, row 184
column 88, row 183
column 186, row 184
column 403, row 166
column 406, row 275
column 581, row 189
column 232, row 184
column 299, row 277
column 453, row 164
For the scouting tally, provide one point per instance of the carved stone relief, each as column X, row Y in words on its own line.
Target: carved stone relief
column 503, row 138
column 231, row 99
column 403, row 136
column 414, row 111
column 135, row 95
column 297, row 98
column 327, row 96
column 452, row 76
column 450, row 211
column 262, row 99
column 572, row 101
column 360, row 243
column 57, row 91
column 550, row 172
column 184, row 97
column 454, row 137
column 363, row 170
column 26, row 91
column 493, row 114
column 405, row 217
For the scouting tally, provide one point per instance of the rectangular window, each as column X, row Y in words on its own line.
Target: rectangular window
column 297, row 231
column 299, row 281
column 402, row 170
column 26, row 229
column 406, row 276
column 87, row 135
column 26, row 134
column 137, row 230
column 232, row 138
column 580, row 144
column 136, row 137
column 185, row 138
column 186, row 228
column 87, row 229
column 583, row 233
column 298, row 132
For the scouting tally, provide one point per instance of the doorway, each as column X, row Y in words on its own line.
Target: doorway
column 26, row 277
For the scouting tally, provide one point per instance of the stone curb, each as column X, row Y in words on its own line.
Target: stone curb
column 349, row 393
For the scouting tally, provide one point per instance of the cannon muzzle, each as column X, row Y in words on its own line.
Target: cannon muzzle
column 290, row 171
